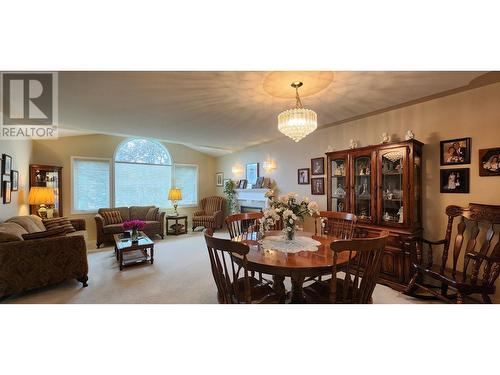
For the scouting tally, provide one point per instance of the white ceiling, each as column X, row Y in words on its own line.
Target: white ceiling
column 220, row 112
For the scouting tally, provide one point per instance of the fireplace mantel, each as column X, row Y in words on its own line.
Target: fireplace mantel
column 252, row 197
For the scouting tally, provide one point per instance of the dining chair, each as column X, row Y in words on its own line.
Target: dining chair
column 228, row 261
column 340, row 225
column 357, row 277
column 238, row 224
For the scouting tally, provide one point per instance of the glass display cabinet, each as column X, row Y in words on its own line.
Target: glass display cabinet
column 47, row 176
column 382, row 186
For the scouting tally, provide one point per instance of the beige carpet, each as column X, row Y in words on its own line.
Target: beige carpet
column 180, row 274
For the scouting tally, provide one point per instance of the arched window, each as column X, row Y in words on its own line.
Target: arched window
column 143, row 173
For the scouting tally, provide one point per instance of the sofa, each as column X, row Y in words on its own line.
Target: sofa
column 211, row 214
column 32, row 263
column 105, row 231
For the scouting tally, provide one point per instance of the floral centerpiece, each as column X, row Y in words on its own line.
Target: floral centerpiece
column 290, row 210
column 135, row 226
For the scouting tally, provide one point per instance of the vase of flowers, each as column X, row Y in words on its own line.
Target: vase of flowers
column 290, row 210
column 134, row 226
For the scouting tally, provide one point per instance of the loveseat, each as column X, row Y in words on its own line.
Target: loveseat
column 32, row 263
column 105, row 230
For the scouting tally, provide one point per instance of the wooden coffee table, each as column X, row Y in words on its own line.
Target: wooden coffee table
column 129, row 253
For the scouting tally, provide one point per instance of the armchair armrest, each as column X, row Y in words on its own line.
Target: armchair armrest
column 199, row 213
column 219, row 218
column 78, row 224
column 161, row 219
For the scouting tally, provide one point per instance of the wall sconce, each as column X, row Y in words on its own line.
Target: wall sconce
column 269, row 165
column 237, row 170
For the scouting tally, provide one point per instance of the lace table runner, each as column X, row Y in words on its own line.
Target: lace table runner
column 300, row 243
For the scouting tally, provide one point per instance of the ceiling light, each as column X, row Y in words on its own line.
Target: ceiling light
column 298, row 122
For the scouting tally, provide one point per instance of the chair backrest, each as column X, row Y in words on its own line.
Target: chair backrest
column 212, row 204
column 336, row 224
column 226, row 272
column 240, row 223
column 478, row 226
column 360, row 271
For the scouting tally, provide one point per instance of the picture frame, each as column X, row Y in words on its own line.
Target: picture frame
column 317, row 186
column 252, row 173
column 242, row 184
column 7, row 194
column 454, row 180
column 455, row 151
column 489, row 162
column 259, row 183
column 14, row 180
column 303, row 177
column 219, row 179
column 318, row 166
column 6, row 167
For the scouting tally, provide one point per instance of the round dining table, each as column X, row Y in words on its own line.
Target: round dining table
column 298, row 265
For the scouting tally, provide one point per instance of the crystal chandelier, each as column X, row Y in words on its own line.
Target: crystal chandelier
column 297, row 122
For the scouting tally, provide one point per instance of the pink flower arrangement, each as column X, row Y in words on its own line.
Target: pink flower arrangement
column 134, row 225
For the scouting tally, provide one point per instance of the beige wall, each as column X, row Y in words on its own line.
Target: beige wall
column 59, row 152
column 474, row 113
column 21, row 151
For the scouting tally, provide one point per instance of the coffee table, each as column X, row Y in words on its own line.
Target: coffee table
column 129, row 253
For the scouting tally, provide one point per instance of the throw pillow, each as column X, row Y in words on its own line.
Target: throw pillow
column 112, row 217
column 57, row 232
column 59, row 222
column 152, row 214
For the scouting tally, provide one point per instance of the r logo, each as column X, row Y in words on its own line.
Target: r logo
column 27, row 99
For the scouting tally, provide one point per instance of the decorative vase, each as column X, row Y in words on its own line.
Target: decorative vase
column 289, row 234
column 134, row 235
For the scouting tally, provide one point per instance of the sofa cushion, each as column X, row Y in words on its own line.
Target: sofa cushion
column 124, row 212
column 27, row 222
column 113, row 229
column 38, row 222
column 151, row 224
column 56, row 232
column 152, row 214
column 112, row 217
column 139, row 212
column 59, row 222
column 11, row 232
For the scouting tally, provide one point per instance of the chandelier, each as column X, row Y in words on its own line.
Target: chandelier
column 298, row 122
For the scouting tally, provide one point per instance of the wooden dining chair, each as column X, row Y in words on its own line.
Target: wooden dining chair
column 229, row 266
column 340, row 225
column 358, row 277
column 238, row 224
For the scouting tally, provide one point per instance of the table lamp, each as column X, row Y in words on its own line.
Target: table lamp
column 175, row 195
column 41, row 196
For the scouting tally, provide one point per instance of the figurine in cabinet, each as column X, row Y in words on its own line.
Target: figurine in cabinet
column 340, row 192
column 401, row 215
column 340, row 206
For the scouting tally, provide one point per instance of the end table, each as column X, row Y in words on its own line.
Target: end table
column 177, row 228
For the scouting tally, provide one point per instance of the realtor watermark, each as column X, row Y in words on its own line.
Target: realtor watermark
column 29, row 105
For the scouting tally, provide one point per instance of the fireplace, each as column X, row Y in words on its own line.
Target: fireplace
column 245, row 209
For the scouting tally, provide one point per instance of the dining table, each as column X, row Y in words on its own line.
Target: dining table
column 313, row 261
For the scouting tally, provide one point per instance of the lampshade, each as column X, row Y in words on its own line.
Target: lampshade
column 41, row 195
column 175, row 194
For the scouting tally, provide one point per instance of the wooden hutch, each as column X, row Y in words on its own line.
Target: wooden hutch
column 382, row 185
column 47, row 176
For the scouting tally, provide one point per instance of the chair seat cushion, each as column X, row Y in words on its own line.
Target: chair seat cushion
column 204, row 218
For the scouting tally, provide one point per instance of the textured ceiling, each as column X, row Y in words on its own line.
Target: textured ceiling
column 220, row 112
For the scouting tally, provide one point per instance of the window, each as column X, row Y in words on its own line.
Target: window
column 186, row 179
column 143, row 174
column 91, row 184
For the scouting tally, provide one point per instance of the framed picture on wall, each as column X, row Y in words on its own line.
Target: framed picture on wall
column 303, row 176
column 489, row 162
column 6, row 192
column 252, row 173
column 318, row 186
column 14, row 180
column 6, row 167
column 455, row 151
column 219, row 179
column 454, row 180
column 318, row 166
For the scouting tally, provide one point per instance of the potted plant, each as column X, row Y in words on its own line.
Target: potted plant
column 229, row 193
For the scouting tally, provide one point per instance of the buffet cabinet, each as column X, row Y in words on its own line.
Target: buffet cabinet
column 382, row 186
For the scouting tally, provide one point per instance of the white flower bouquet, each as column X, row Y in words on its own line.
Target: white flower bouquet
column 288, row 209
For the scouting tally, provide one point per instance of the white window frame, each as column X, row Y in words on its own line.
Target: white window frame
column 111, row 185
column 197, row 183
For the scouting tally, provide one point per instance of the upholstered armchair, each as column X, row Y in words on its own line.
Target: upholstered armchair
column 211, row 214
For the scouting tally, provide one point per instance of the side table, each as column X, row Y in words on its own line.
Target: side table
column 177, row 228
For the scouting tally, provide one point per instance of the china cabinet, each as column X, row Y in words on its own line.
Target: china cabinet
column 47, row 176
column 382, row 185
